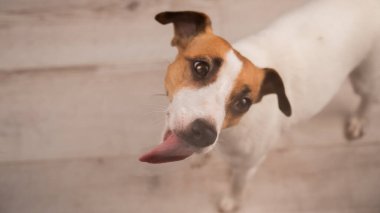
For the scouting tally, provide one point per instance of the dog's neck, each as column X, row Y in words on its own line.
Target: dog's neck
column 252, row 49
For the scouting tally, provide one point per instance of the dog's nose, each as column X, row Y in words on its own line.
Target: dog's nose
column 200, row 133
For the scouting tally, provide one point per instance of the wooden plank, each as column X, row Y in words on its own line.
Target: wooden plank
column 340, row 179
column 59, row 33
column 91, row 111
column 243, row 18
column 79, row 112
column 44, row 33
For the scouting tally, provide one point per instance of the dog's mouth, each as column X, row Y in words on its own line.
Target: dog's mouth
column 171, row 149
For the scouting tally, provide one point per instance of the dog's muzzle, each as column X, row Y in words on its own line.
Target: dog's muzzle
column 178, row 145
column 199, row 134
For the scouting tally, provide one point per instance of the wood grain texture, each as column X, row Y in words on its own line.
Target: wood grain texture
column 41, row 33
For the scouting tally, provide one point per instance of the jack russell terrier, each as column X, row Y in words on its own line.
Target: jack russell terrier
column 216, row 90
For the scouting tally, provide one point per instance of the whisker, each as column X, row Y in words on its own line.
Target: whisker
column 156, row 106
column 156, row 122
column 155, row 109
column 153, row 113
column 159, row 94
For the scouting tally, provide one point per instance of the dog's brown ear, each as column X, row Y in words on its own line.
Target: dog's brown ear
column 272, row 83
column 187, row 24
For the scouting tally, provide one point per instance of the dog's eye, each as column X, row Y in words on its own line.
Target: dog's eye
column 201, row 68
column 242, row 105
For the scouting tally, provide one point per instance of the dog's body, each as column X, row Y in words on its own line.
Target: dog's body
column 313, row 49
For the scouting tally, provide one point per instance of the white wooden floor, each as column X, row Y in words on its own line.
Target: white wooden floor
column 80, row 85
column 313, row 169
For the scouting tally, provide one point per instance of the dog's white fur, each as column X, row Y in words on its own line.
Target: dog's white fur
column 314, row 49
column 207, row 102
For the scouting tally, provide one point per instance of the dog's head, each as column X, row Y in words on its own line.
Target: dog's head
column 210, row 87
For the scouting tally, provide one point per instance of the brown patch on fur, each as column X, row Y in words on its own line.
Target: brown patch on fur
column 206, row 45
column 194, row 39
column 251, row 77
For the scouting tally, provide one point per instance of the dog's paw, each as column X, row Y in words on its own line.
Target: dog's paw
column 228, row 205
column 354, row 128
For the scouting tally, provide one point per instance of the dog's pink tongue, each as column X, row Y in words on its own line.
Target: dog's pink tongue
column 172, row 149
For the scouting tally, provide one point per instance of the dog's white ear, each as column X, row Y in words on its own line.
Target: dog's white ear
column 187, row 24
column 272, row 83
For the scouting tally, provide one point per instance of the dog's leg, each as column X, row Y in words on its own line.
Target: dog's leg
column 364, row 81
column 244, row 149
column 357, row 121
column 240, row 171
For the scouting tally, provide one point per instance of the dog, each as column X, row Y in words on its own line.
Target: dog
column 249, row 92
